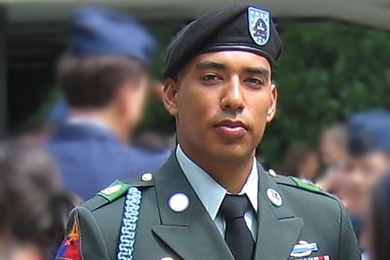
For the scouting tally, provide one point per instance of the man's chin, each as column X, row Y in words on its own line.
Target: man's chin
column 232, row 154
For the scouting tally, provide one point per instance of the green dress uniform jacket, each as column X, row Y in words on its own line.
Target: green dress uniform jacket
column 306, row 214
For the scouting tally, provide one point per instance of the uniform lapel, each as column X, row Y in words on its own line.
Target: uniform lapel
column 191, row 234
column 278, row 229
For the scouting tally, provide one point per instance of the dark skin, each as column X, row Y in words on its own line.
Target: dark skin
column 222, row 102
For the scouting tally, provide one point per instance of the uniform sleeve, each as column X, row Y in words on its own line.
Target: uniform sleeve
column 83, row 240
column 348, row 245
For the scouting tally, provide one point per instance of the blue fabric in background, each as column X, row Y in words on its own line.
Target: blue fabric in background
column 90, row 158
column 369, row 131
column 58, row 113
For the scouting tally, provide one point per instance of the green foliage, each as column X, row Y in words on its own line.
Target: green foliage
column 326, row 73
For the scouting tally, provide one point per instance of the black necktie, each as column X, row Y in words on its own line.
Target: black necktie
column 237, row 235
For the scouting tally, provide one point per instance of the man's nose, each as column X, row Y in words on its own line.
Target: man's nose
column 232, row 96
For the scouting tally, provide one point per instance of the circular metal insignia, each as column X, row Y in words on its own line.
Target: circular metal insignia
column 112, row 189
column 274, row 197
column 272, row 173
column 179, row 202
column 147, row 177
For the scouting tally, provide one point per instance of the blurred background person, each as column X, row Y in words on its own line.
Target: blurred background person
column 302, row 162
column 376, row 235
column 152, row 140
column 33, row 206
column 57, row 115
column 104, row 79
column 333, row 151
column 333, row 146
column 369, row 158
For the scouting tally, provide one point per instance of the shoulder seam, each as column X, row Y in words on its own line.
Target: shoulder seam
column 287, row 181
column 107, row 196
column 95, row 205
column 104, row 201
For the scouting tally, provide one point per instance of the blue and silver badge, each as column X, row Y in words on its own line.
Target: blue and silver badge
column 303, row 249
column 259, row 25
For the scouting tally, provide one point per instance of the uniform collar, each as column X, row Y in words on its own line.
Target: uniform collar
column 210, row 192
column 175, row 227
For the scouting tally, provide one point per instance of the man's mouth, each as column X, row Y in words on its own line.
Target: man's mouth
column 231, row 129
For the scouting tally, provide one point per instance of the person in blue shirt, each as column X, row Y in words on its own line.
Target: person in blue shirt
column 103, row 77
column 58, row 112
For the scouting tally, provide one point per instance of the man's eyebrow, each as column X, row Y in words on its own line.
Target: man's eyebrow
column 210, row 65
column 260, row 71
column 215, row 65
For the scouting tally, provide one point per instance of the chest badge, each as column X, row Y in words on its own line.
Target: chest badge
column 274, row 197
column 324, row 257
column 303, row 249
column 179, row 202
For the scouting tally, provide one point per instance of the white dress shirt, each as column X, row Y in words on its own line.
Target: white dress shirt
column 211, row 193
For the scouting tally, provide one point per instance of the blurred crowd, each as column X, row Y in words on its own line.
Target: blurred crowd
column 88, row 141
column 352, row 162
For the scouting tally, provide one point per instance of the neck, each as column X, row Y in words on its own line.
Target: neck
column 231, row 174
column 108, row 119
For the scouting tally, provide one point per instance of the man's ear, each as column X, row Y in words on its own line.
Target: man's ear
column 272, row 104
column 169, row 97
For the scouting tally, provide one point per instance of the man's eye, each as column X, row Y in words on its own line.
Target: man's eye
column 210, row 77
column 255, row 81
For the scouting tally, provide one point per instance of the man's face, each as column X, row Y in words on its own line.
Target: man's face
column 222, row 102
column 362, row 173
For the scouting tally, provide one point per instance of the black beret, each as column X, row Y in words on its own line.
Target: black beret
column 235, row 27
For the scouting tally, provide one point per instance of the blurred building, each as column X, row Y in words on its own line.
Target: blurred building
column 33, row 33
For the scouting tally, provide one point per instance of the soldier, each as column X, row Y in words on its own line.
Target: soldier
column 212, row 199
column 103, row 77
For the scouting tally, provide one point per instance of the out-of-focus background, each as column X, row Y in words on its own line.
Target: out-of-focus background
column 334, row 62
column 334, row 65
